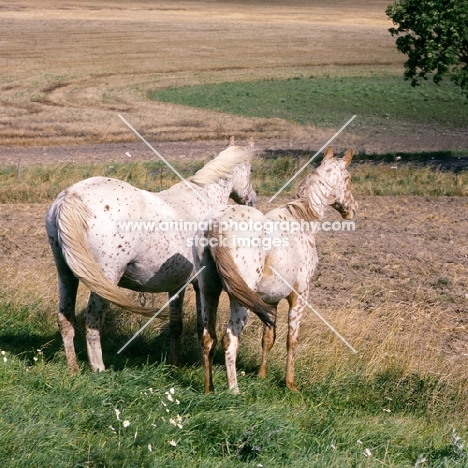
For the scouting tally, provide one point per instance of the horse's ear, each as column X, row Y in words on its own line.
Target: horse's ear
column 231, row 141
column 348, row 156
column 251, row 143
column 328, row 154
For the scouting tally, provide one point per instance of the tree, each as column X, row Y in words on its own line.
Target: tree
column 434, row 35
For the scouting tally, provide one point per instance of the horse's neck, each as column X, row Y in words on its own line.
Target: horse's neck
column 319, row 196
column 311, row 202
column 216, row 193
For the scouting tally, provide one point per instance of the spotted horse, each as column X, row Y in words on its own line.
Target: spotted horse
column 84, row 227
column 270, row 264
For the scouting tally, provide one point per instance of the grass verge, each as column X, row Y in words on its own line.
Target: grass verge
column 143, row 413
column 40, row 184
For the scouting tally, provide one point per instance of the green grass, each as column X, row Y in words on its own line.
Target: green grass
column 43, row 183
column 49, row 418
column 330, row 101
column 371, row 176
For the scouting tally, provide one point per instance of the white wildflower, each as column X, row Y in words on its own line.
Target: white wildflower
column 387, row 410
column 117, row 414
column 421, row 460
column 3, row 353
column 177, row 402
column 35, row 358
column 171, row 390
column 111, row 428
column 150, row 448
column 457, row 444
column 5, row 359
column 169, row 396
column 126, row 423
column 172, row 421
column 173, row 442
column 367, row 453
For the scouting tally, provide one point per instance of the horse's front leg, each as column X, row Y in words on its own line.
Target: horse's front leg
column 175, row 325
column 268, row 340
column 237, row 321
column 296, row 307
column 93, row 319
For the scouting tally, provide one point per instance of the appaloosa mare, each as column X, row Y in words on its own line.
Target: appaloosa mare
column 95, row 237
column 261, row 259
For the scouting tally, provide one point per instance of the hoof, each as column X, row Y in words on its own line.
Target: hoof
column 292, row 387
column 73, row 369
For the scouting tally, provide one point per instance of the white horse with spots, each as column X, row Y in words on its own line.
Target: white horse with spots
column 92, row 241
column 240, row 261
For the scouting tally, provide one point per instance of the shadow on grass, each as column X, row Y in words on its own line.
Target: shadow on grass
column 25, row 336
column 454, row 161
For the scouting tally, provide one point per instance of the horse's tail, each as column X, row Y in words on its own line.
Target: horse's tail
column 235, row 285
column 72, row 217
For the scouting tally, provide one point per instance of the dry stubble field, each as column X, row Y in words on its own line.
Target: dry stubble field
column 396, row 288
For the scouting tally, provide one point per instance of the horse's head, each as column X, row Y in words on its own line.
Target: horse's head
column 242, row 191
column 334, row 173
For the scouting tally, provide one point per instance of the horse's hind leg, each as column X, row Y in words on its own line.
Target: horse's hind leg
column 68, row 286
column 210, row 290
column 175, row 325
column 237, row 322
column 296, row 307
column 93, row 318
column 268, row 340
column 200, row 325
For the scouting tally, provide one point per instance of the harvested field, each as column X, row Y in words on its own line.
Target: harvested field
column 69, row 69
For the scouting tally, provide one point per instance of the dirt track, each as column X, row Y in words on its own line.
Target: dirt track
column 428, row 139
